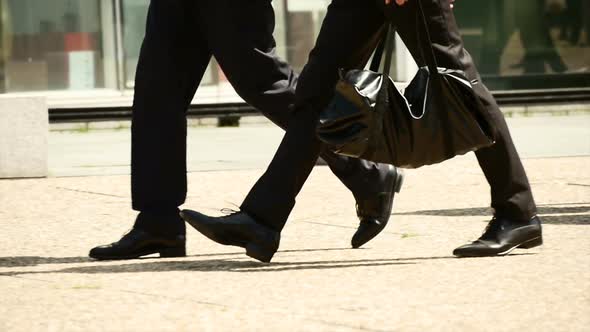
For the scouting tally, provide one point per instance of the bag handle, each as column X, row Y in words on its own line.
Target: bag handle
column 387, row 45
column 427, row 54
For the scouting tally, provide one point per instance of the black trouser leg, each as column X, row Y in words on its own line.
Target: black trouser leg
column 510, row 189
column 240, row 38
column 273, row 196
column 172, row 62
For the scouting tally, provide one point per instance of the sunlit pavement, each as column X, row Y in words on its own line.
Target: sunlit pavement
column 404, row 280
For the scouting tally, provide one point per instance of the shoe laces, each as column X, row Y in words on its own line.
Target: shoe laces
column 491, row 230
column 228, row 212
column 126, row 234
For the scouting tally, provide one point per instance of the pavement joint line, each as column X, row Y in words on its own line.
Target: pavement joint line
column 120, row 290
column 173, row 298
column 557, row 204
column 27, row 278
column 323, row 224
column 342, row 226
column 348, row 326
column 89, row 192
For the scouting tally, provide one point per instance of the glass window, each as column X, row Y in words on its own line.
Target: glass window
column 51, row 45
column 528, row 44
column 303, row 19
column 134, row 19
column 71, row 44
column 524, row 44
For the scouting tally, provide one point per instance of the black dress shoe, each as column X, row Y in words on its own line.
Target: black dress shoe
column 238, row 229
column 502, row 236
column 374, row 213
column 137, row 243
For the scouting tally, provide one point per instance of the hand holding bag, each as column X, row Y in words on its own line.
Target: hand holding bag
column 437, row 117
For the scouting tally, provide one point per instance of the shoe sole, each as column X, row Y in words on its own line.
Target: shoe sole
column 397, row 187
column 264, row 253
column 164, row 253
column 529, row 244
column 399, row 181
column 532, row 243
column 260, row 253
column 254, row 250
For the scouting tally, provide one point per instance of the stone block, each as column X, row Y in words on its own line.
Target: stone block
column 24, row 132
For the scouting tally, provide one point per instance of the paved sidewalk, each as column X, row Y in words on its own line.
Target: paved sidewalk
column 251, row 146
column 405, row 280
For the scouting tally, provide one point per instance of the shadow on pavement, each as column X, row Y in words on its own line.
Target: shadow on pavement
column 216, row 265
column 558, row 214
column 213, row 265
column 37, row 260
column 17, row 261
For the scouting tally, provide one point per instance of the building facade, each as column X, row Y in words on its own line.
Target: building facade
column 84, row 52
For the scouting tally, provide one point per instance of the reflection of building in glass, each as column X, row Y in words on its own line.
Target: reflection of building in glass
column 52, row 45
column 303, row 19
column 536, row 39
column 516, row 42
column 134, row 14
column 93, row 45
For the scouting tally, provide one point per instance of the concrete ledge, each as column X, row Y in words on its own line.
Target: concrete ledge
column 546, row 110
column 24, row 131
column 126, row 124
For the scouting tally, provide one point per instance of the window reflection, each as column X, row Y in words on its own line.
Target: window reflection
column 134, row 18
column 515, row 43
column 50, row 45
column 61, row 44
column 524, row 44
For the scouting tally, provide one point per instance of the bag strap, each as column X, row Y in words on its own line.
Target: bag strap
column 426, row 50
column 389, row 46
column 377, row 56
column 386, row 46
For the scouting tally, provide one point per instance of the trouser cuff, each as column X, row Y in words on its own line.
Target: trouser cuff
column 167, row 223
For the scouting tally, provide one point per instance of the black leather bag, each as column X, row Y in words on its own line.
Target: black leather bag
column 436, row 118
